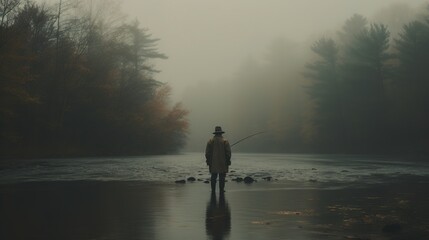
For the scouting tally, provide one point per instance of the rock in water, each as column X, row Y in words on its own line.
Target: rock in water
column 248, row 180
column 180, row 181
column 191, row 179
column 238, row 179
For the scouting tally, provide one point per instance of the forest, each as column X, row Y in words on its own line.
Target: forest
column 362, row 89
column 370, row 91
column 78, row 80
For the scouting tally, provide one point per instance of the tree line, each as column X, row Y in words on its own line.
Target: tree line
column 77, row 79
column 370, row 91
column 360, row 89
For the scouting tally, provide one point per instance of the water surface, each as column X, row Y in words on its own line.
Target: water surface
column 281, row 167
column 309, row 197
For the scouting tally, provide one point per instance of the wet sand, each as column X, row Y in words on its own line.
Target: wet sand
column 262, row 210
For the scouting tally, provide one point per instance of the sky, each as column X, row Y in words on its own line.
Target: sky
column 207, row 40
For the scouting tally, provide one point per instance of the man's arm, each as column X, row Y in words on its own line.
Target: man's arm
column 209, row 153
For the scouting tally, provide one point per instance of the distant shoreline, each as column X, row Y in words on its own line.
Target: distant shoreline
column 5, row 157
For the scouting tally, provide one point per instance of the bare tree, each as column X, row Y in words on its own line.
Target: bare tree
column 6, row 7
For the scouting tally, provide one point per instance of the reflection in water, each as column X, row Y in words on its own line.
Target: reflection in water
column 218, row 217
column 79, row 210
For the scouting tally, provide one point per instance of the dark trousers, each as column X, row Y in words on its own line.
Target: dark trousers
column 221, row 177
column 221, row 181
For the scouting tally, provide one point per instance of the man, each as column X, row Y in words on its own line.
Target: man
column 218, row 158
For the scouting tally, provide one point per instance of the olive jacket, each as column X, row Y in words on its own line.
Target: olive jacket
column 218, row 154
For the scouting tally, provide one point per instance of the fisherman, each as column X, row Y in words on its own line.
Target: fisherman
column 218, row 158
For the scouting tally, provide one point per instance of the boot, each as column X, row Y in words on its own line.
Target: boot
column 222, row 185
column 213, row 183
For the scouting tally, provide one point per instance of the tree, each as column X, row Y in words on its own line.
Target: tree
column 23, row 56
column 6, row 7
column 136, row 49
column 326, row 91
column 167, row 126
column 351, row 28
column 412, row 85
column 348, row 87
column 364, row 71
column 64, row 89
column 413, row 52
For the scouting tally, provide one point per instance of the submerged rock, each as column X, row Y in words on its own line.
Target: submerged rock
column 392, row 228
column 180, row 181
column 206, row 181
column 268, row 178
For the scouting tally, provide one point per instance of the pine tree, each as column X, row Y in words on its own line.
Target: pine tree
column 364, row 70
column 326, row 91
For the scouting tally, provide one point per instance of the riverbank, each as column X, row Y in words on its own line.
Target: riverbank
column 262, row 210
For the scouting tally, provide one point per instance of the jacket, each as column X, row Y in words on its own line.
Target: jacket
column 218, row 154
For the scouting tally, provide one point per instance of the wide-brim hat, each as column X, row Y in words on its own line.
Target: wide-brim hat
column 218, row 130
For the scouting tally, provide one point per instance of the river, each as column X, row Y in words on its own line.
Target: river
column 168, row 168
column 307, row 197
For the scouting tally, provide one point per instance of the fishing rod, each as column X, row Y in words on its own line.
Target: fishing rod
column 246, row 138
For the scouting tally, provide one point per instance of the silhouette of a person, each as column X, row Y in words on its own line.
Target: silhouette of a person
column 218, row 158
column 218, row 217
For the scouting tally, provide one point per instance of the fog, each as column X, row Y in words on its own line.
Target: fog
column 251, row 66
column 209, row 42
column 201, row 37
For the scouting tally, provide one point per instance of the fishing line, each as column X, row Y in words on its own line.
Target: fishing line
column 246, row 138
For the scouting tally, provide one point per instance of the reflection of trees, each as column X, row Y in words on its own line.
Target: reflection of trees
column 218, row 217
column 86, row 210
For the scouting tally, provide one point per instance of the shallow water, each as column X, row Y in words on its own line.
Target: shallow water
column 112, row 210
column 310, row 197
column 345, row 169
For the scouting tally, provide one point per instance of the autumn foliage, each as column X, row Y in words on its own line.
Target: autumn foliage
column 74, row 83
